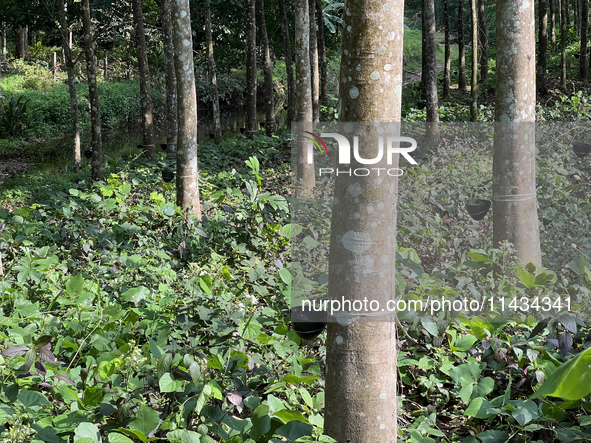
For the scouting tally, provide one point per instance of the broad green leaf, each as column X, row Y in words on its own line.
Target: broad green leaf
column 249, row 330
column 295, row 380
column 183, row 436
column 483, row 387
column 116, row 437
column 93, row 396
column 493, row 436
column 478, row 408
column 285, row 276
column 571, row 381
column 32, row 398
column 525, row 411
column 136, row 294
column 145, row 421
column 167, row 383
column 417, row 437
column 75, row 285
column 463, row 343
column 288, row 416
column 86, row 430
column 108, row 368
column 527, row 278
column 294, row 430
column 205, row 283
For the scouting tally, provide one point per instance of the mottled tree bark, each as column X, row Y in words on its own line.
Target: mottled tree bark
column 482, row 42
column 314, row 63
column 288, row 64
column 515, row 217
column 474, row 83
column 567, row 13
column 171, row 97
column 145, row 88
column 576, row 16
column 251, row 68
column 322, row 55
column 64, row 33
column 584, row 18
column 187, row 177
column 563, row 16
column 267, row 70
column 361, row 353
column 95, row 113
column 303, row 89
column 462, row 83
column 215, row 99
column 430, row 79
column 447, row 60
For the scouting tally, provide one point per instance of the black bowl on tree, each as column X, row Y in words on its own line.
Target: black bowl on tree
column 140, row 146
column 164, row 146
column 307, row 323
column 167, row 175
column 478, row 208
column 581, row 149
column 88, row 153
column 242, row 130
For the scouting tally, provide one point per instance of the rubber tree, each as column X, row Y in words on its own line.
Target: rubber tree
column 482, row 42
column 251, row 68
column 360, row 390
column 187, row 176
column 303, row 89
column 291, row 110
column 95, row 112
column 542, row 64
column 515, row 217
column 322, row 54
column 584, row 19
column 215, row 98
column 552, row 6
column 314, row 62
column 430, row 69
column 462, row 83
column 474, row 82
column 447, row 59
column 145, row 89
column 171, row 98
column 267, row 70
column 74, row 113
column 563, row 16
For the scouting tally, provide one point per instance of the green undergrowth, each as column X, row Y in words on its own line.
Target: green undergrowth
column 124, row 319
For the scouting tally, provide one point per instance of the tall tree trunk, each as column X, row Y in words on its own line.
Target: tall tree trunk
column 291, row 108
column 567, row 13
column 576, row 13
column 145, row 88
column 18, row 43
column 4, row 44
column 217, row 119
column 361, row 354
column 430, row 80
column 267, row 70
column 552, row 6
column 95, row 112
column 64, row 33
column 171, row 97
column 314, row 63
column 515, row 217
column 483, row 42
column 563, row 16
column 447, row 61
column 584, row 18
column 462, row 83
column 187, row 176
column 322, row 55
column 303, row 89
column 474, row 84
column 542, row 46
column 251, row 68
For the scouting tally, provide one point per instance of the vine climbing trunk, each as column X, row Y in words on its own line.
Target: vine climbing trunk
column 187, row 177
column 322, row 55
column 515, row 217
column 584, row 19
column 361, row 352
column 267, row 70
column 483, row 42
column 474, row 83
column 171, row 97
column 215, row 98
column 145, row 89
column 542, row 47
column 563, row 16
column 95, row 112
column 251, row 68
